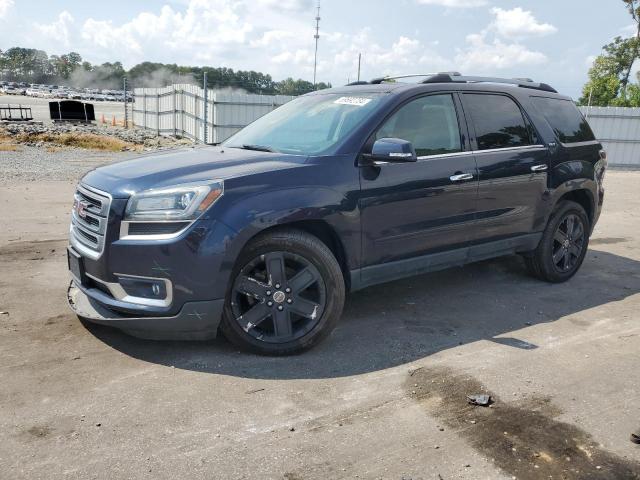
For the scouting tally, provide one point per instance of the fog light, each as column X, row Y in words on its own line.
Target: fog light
column 143, row 287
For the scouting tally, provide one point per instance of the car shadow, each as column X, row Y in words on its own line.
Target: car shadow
column 407, row 320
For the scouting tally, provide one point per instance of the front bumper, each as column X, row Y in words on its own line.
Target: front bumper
column 195, row 321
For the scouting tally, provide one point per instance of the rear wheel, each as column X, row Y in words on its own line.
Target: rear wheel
column 286, row 295
column 563, row 246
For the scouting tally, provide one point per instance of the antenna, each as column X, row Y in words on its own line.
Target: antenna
column 317, row 37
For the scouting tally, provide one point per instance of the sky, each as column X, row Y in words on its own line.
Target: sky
column 552, row 41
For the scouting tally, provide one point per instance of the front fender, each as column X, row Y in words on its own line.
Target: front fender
column 250, row 215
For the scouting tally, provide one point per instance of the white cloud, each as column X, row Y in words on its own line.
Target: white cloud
column 5, row 6
column 483, row 55
column 288, row 5
column 203, row 30
column 455, row 3
column 58, row 31
column 518, row 23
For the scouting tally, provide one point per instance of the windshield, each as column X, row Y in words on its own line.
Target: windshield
column 308, row 125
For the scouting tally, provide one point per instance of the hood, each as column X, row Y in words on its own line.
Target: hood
column 173, row 167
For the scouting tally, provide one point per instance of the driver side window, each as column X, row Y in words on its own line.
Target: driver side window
column 429, row 123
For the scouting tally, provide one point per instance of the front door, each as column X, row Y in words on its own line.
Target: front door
column 412, row 209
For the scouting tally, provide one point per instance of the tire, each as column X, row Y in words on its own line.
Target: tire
column 559, row 256
column 274, row 313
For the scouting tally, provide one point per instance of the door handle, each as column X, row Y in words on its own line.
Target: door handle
column 461, row 177
column 539, row 168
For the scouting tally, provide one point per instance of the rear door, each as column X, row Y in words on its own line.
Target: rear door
column 512, row 167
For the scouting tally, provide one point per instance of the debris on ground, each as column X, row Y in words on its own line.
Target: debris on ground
column 635, row 437
column 249, row 392
column 4, row 313
column 480, row 400
column 89, row 136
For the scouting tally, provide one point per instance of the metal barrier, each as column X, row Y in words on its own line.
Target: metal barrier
column 179, row 110
column 15, row 114
column 618, row 129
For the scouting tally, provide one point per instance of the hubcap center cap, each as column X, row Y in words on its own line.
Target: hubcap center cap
column 566, row 243
column 279, row 297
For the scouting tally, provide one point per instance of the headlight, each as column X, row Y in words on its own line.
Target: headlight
column 177, row 203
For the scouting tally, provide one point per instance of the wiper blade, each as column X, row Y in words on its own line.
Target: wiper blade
column 257, row 148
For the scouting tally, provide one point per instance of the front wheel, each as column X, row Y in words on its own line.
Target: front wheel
column 563, row 246
column 286, row 295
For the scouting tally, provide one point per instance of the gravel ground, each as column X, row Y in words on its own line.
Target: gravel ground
column 384, row 397
column 33, row 164
column 34, row 161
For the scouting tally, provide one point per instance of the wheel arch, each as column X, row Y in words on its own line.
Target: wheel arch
column 320, row 229
column 583, row 197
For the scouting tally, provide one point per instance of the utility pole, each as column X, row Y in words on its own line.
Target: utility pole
column 359, row 60
column 126, row 110
column 317, row 37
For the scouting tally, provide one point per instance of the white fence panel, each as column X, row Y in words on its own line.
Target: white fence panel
column 179, row 110
column 618, row 129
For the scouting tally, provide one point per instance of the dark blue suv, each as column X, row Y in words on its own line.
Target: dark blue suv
column 262, row 236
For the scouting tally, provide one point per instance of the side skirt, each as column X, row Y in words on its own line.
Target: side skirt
column 409, row 267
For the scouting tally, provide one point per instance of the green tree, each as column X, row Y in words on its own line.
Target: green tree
column 610, row 76
column 633, row 47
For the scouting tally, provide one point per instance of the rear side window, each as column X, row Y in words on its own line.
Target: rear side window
column 498, row 121
column 565, row 119
column 429, row 123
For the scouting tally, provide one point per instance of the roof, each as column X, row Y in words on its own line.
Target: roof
column 446, row 80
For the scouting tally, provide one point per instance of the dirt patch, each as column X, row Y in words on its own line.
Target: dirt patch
column 34, row 250
column 9, row 148
column 88, row 141
column 523, row 438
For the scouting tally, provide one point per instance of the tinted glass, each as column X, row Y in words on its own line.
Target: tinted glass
column 429, row 123
column 565, row 119
column 498, row 121
column 309, row 124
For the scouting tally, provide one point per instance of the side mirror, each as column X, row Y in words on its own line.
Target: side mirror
column 392, row 150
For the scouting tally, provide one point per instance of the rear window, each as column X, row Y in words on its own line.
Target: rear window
column 565, row 119
column 498, row 121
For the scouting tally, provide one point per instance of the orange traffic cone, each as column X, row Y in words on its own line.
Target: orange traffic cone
column 113, row 121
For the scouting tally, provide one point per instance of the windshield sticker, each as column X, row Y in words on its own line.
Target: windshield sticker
column 355, row 101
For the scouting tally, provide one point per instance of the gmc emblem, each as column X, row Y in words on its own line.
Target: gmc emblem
column 81, row 208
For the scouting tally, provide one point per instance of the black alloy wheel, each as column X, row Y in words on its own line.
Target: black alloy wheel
column 568, row 243
column 563, row 246
column 278, row 297
column 286, row 294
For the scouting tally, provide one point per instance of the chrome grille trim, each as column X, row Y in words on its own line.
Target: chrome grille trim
column 87, row 235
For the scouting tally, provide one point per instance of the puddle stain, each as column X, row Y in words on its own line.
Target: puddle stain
column 522, row 438
column 39, row 431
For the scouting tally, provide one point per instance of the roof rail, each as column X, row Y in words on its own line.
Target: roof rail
column 377, row 81
column 520, row 82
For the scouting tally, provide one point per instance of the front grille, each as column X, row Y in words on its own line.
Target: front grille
column 89, row 218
